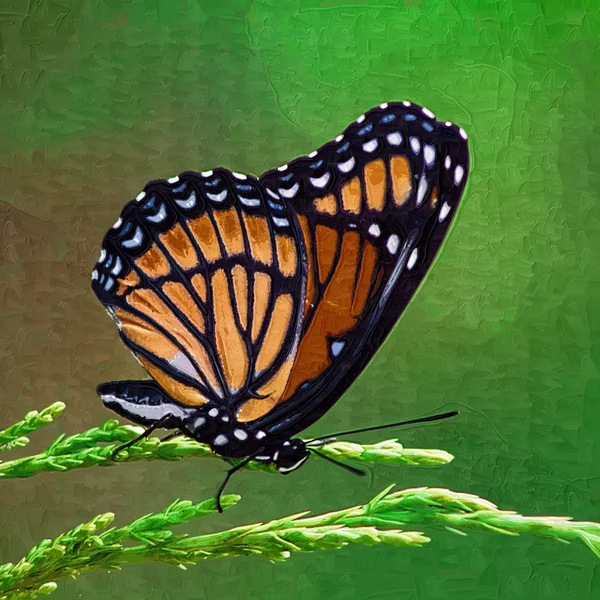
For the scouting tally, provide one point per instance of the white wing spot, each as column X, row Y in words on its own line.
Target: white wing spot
column 406, row 103
column 289, row 193
column 444, row 211
column 415, row 144
column 220, row 440
column 463, row 133
column 189, row 203
column 249, row 201
column 135, row 241
column 118, row 223
column 448, row 123
column 102, row 255
column 182, row 363
column 458, row 174
column 199, row 422
column 312, row 154
column 384, row 105
column 161, row 215
column 109, row 283
column 140, row 196
column 282, row 168
column 393, row 243
column 320, row 182
column 412, row 259
column 280, row 222
column 395, row 139
column 337, row 347
column 429, row 153
column 272, row 194
column 360, row 119
column 117, row 268
column 173, row 179
column 240, row 434
column 374, row 230
column 339, row 138
column 447, row 163
column 206, row 173
column 217, row 197
column 370, row 146
column 94, row 275
column 427, row 112
column 213, row 412
column 239, row 175
column 421, row 191
column 347, row 166
column 260, row 435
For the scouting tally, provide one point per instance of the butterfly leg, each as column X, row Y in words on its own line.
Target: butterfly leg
column 229, row 475
column 147, row 433
column 181, row 430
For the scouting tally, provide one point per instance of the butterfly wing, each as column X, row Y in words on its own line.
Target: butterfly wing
column 205, row 283
column 374, row 207
column 271, row 295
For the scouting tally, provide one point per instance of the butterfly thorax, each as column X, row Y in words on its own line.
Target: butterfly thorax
column 228, row 437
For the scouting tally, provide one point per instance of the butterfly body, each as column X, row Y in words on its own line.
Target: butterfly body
column 255, row 302
column 145, row 404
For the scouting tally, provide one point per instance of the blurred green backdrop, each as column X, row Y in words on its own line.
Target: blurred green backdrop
column 97, row 97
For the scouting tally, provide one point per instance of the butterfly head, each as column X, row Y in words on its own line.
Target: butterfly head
column 290, row 455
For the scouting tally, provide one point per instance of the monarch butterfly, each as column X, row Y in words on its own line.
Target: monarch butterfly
column 255, row 303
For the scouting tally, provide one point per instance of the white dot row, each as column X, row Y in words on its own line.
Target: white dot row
column 394, row 139
column 221, row 439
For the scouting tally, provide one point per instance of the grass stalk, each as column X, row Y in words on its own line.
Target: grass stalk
column 381, row 521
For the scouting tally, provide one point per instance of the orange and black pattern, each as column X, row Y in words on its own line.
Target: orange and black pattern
column 267, row 297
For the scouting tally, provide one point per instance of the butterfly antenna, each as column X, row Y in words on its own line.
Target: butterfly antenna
column 348, row 468
column 439, row 417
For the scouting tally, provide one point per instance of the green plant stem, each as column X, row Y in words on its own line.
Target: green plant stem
column 83, row 450
column 380, row 521
column 387, row 452
column 14, row 436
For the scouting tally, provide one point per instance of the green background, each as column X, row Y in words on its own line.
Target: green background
column 98, row 97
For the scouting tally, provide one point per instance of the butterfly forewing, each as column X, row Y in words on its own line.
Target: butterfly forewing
column 374, row 208
column 271, row 295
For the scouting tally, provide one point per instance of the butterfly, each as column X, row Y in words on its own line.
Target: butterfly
column 254, row 303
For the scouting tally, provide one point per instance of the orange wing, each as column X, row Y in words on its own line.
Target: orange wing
column 373, row 208
column 205, row 284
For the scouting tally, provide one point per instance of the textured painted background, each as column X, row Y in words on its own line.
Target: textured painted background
column 98, row 97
